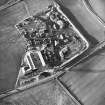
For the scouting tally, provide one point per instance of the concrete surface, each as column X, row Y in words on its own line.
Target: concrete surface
column 87, row 84
column 87, row 81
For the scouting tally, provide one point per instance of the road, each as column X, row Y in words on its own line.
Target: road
column 11, row 45
column 50, row 93
column 88, row 78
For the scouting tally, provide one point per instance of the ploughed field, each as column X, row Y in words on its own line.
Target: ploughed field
column 87, row 83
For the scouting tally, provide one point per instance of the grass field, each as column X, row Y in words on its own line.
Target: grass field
column 87, row 83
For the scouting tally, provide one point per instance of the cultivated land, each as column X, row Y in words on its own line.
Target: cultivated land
column 46, row 94
column 87, row 84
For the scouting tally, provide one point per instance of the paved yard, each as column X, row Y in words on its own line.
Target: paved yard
column 87, row 84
